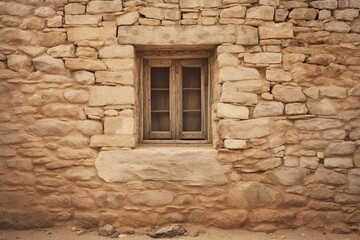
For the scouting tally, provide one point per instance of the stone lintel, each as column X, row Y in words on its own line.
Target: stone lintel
column 187, row 165
column 176, row 35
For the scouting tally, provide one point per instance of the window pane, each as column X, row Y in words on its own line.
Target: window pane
column 191, row 77
column 191, row 99
column 160, row 77
column 160, row 121
column 159, row 100
column 192, row 121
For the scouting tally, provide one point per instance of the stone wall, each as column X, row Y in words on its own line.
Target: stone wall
column 285, row 115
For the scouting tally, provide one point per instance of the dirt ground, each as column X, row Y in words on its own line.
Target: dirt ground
column 204, row 234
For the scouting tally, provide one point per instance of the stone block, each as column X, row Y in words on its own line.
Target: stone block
column 79, row 174
column 324, row 4
column 233, row 12
column 303, row 14
column 328, row 176
column 29, row 219
column 89, row 127
column 233, row 129
column 74, row 8
column 86, row 220
column 50, row 127
column 288, row 94
column 124, row 141
column 120, row 64
column 346, row 14
column 290, row 161
column 108, row 95
column 309, row 162
column 17, row 62
column 291, row 176
column 263, row 58
column 51, row 39
column 151, row 198
column 63, row 110
column 278, row 75
column 173, row 15
column 152, row 12
column 338, row 162
column 227, row 59
column 76, row 96
column 254, row 86
column 44, row 12
column 296, row 108
column 232, row 111
column 55, row 22
column 247, row 35
column 190, row 166
column 354, row 181
column 260, row 12
column 341, row 148
column 229, row 218
column 337, row 26
column 333, row 92
column 234, row 144
column 323, row 107
column 176, row 35
column 269, row 2
column 71, row 153
column 119, row 125
column 127, row 19
column 244, row 98
column 7, row 151
column 199, row 3
column 354, row 4
column 62, row 51
column 250, row 195
column 268, row 108
column 85, row 64
column 15, row 9
column 317, row 124
column 123, row 77
column 76, row 34
column 276, row 30
column 83, row 19
column 238, row 73
column 101, row 7
column 49, row 64
column 84, row 77
column 117, row 51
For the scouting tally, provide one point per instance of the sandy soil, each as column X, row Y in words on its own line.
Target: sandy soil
column 205, row 234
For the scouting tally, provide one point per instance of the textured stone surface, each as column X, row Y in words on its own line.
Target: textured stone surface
column 238, row 73
column 246, row 129
column 196, row 167
column 276, row 30
column 266, row 109
column 50, row 127
column 232, row 111
column 288, row 94
column 151, row 198
column 105, row 95
column 172, row 35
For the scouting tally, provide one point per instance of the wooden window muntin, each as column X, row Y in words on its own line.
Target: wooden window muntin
column 176, row 132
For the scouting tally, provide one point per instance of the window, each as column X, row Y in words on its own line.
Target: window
column 175, row 100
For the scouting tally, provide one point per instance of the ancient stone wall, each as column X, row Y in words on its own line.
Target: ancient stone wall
column 285, row 114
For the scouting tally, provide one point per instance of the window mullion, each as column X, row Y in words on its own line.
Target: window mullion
column 177, row 99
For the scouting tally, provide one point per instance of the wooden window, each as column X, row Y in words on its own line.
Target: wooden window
column 175, row 104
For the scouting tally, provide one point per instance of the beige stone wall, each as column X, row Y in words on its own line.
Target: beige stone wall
column 285, row 115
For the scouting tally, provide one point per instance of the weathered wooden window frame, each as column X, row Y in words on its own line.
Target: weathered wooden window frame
column 175, row 61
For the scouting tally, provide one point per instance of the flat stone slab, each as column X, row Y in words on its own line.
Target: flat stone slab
column 176, row 35
column 188, row 165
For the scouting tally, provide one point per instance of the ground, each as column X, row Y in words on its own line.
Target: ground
column 205, row 234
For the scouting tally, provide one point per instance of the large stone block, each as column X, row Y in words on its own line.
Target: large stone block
column 268, row 108
column 328, row 176
column 337, row 26
column 63, row 110
column 96, row 7
column 83, row 19
column 124, row 141
column 324, row 4
column 261, row 12
column 176, row 35
column 127, row 19
column 247, row 129
column 15, row 9
column 232, row 111
column 199, row 3
column 278, row 75
column 342, row 148
column 288, row 94
column 151, row 198
column 233, row 12
column 354, row 181
column 338, row 162
column 17, row 62
column 250, row 195
column 291, row 176
column 190, row 166
column 50, row 127
column 254, row 86
column 303, row 14
column 244, row 98
column 322, row 107
column 49, row 64
column 276, row 30
column 263, row 58
column 117, row 51
column 238, row 73
column 247, row 35
column 89, row 33
column 124, row 77
column 317, row 124
column 346, row 14
column 108, row 95
column 85, row 64
column 122, row 124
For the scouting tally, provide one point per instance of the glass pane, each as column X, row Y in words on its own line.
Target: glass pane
column 191, row 100
column 160, row 77
column 192, row 121
column 159, row 100
column 191, row 77
column 160, row 121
